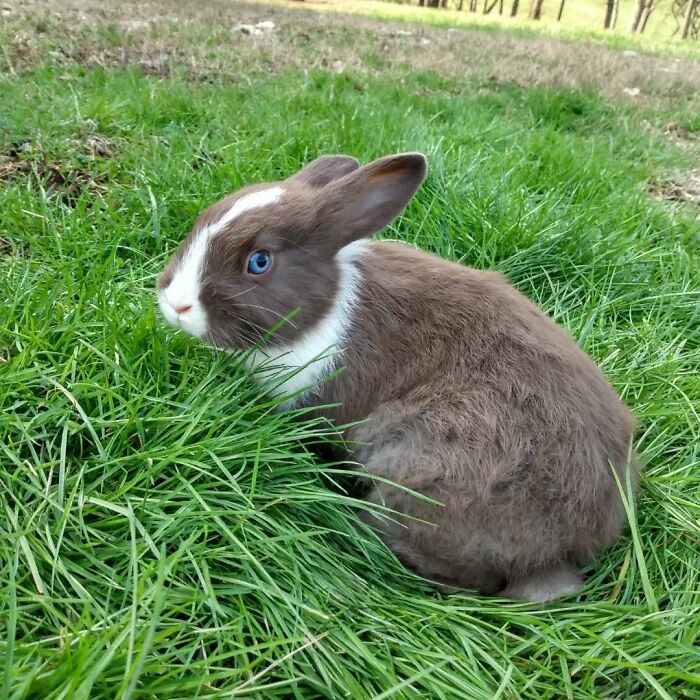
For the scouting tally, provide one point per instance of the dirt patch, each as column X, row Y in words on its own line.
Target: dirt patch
column 151, row 61
column 6, row 248
column 87, row 145
column 204, row 40
column 95, row 146
column 67, row 177
column 685, row 188
column 69, row 183
column 679, row 135
column 11, row 249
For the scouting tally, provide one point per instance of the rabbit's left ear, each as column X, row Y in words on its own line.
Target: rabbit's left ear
column 367, row 199
column 319, row 172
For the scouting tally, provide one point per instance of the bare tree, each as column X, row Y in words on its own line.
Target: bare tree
column 560, row 12
column 650, row 5
column 536, row 9
column 641, row 13
column 514, row 8
column 691, row 23
column 637, row 15
column 610, row 7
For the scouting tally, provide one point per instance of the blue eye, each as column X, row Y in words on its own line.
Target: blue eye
column 259, row 262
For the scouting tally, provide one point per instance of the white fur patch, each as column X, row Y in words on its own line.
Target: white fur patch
column 306, row 362
column 185, row 286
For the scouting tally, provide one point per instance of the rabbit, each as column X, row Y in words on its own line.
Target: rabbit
column 449, row 382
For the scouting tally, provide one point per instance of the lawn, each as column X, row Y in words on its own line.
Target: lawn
column 164, row 532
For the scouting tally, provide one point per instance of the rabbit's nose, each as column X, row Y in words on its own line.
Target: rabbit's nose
column 182, row 309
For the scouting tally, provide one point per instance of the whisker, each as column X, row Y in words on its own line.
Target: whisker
column 276, row 313
column 228, row 297
column 259, row 330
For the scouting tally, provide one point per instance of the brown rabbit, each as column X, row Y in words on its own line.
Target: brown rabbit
column 464, row 390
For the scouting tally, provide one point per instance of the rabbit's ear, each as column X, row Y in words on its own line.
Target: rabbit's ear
column 324, row 170
column 367, row 199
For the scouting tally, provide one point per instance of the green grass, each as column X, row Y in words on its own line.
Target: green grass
column 164, row 533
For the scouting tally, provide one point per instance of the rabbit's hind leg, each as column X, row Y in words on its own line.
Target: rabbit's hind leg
column 545, row 584
column 431, row 551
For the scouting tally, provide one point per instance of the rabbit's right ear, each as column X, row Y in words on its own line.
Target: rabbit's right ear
column 367, row 199
column 319, row 172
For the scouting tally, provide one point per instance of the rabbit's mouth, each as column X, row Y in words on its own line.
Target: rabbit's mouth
column 187, row 315
column 237, row 334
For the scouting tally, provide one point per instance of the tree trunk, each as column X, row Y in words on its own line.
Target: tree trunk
column 638, row 10
column 487, row 10
column 536, row 9
column 615, row 13
column 444, row 3
column 645, row 19
column 461, row 4
column 514, row 8
column 609, row 11
column 561, row 10
column 688, row 19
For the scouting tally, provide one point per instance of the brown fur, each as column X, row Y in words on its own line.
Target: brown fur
column 465, row 391
column 476, row 399
column 242, row 309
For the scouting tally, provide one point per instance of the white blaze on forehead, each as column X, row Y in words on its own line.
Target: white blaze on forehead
column 185, row 286
column 254, row 200
column 191, row 264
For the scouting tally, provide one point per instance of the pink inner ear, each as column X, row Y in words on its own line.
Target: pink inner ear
column 368, row 199
column 387, row 188
column 378, row 194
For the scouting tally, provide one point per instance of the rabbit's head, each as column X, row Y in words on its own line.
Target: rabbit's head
column 271, row 251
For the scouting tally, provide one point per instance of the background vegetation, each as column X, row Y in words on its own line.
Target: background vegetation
column 679, row 18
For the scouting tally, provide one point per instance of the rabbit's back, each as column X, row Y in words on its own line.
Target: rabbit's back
column 431, row 326
column 477, row 399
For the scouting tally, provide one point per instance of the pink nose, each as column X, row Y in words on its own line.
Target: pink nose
column 182, row 309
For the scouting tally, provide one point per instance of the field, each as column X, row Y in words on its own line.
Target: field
column 581, row 20
column 164, row 532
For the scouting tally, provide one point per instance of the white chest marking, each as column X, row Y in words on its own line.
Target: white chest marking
column 309, row 360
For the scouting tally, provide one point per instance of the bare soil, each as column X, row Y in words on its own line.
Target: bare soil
column 68, row 176
column 684, row 187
